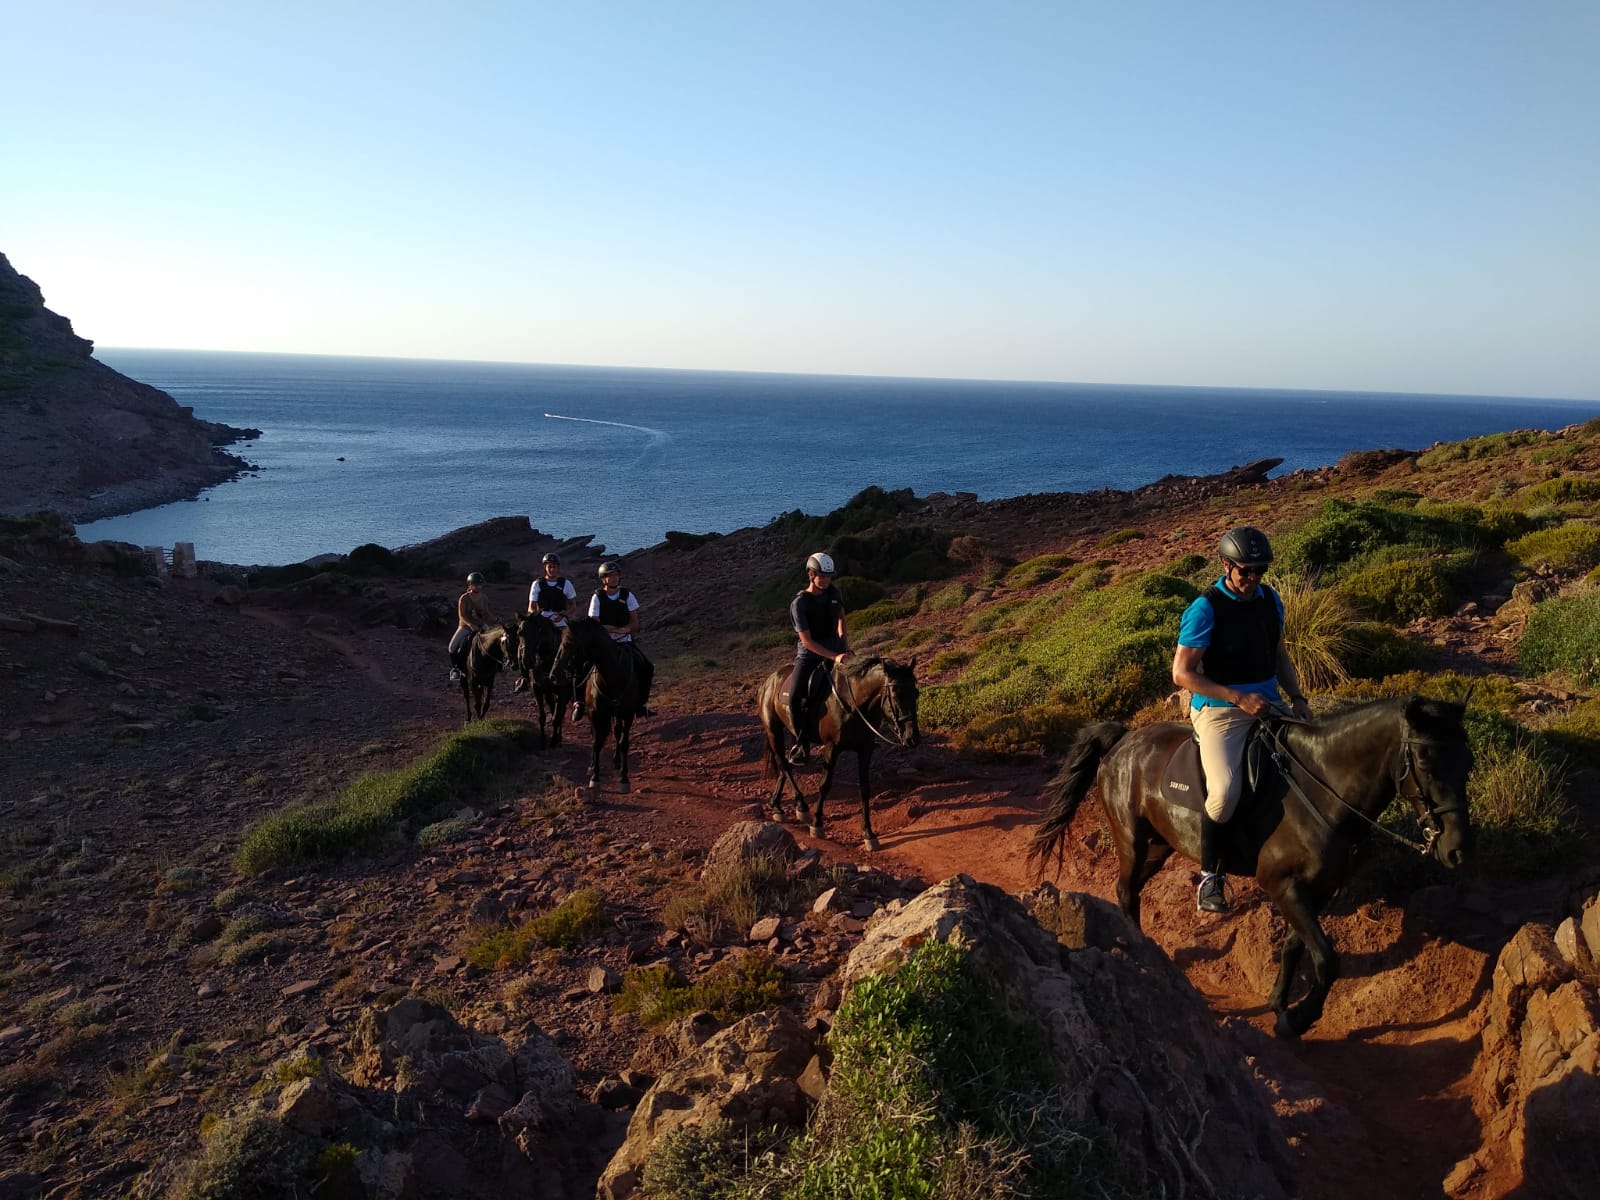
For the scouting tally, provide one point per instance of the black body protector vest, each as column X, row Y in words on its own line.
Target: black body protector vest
column 1244, row 640
column 614, row 612
column 553, row 595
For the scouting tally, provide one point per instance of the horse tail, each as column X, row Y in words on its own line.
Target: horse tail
column 1066, row 791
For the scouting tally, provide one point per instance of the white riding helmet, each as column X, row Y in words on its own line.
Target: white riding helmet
column 821, row 563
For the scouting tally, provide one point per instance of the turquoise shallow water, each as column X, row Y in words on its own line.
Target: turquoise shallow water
column 397, row 451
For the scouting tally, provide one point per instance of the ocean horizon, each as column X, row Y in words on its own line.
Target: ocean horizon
column 397, row 451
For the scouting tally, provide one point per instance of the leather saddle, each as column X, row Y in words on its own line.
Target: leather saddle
column 1183, row 783
column 816, row 694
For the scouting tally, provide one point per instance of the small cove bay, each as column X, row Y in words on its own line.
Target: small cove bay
column 397, row 451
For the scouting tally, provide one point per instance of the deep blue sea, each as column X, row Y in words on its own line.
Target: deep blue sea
column 397, row 451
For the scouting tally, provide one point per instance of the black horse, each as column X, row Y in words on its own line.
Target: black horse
column 486, row 653
column 871, row 701
column 1295, row 835
column 537, row 640
column 611, row 695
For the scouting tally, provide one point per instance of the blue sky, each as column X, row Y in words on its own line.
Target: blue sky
column 1373, row 196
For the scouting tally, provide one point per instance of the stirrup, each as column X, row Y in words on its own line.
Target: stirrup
column 799, row 754
column 1213, row 894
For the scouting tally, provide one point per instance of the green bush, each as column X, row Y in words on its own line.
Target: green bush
column 1563, row 635
column 366, row 811
column 951, row 596
column 1042, row 568
column 1374, row 650
column 1575, row 545
column 578, row 918
column 1561, row 491
column 858, row 592
column 1402, row 591
column 678, row 540
column 1492, row 445
column 1341, row 532
column 881, row 613
column 249, row 1157
column 733, row 988
column 1120, row 537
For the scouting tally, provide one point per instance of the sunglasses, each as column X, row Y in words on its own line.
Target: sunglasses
column 1257, row 572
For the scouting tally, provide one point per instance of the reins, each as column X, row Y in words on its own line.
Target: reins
column 1283, row 757
column 852, row 710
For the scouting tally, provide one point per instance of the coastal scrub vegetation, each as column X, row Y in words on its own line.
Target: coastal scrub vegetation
column 734, row 988
column 938, row 1089
column 465, row 768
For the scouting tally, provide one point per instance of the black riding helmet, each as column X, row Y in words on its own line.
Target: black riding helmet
column 477, row 578
column 552, row 557
column 1247, row 546
column 609, row 568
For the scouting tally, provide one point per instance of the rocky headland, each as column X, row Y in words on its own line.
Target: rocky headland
column 83, row 439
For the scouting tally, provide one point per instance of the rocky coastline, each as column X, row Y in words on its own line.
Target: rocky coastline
column 83, row 439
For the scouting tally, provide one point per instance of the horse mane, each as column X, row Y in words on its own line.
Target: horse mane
column 1432, row 718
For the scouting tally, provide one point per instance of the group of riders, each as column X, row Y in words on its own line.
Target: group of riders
column 1231, row 658
column 554, row 598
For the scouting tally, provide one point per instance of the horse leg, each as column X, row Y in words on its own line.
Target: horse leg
column 830, row 761
column 1288, row 964
column 598, row 741
column 1144, row 859
column 466, row 694
column 624, row 737
column 1301, row 913
column 562, row 703
column 869, row 840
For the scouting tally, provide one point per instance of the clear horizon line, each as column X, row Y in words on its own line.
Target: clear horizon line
column 497, row 362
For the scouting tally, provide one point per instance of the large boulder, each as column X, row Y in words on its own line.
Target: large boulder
column 746, row 842
column 1139, row 1056
column 746, row 1076
column 1538, row 1082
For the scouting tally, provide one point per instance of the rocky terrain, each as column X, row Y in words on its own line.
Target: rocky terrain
column 151, row 989
column 82, row 438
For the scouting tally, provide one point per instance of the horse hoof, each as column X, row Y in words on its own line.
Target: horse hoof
column 869, row 844
column 594, row 783
column 818, row 832
column 623, row 787
column 1285, row 1028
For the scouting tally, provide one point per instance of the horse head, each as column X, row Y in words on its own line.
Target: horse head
column 891, row 690
column 573, row 651
column 536, row 642
column 1435, row 760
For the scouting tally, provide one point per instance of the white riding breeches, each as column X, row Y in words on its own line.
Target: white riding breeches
column 1222, row 731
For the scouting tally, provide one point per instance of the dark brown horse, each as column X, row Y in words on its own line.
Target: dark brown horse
column 537, row 641
column 486, row 653
column 1296, row 833
column 611, row 695
column 871, row 701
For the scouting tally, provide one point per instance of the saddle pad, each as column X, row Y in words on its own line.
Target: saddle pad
column 1183, row 783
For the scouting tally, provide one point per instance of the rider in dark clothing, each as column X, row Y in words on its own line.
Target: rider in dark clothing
column 617, row 609
column 817, row 614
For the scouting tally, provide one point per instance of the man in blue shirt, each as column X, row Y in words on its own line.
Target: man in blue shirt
column 1231, row 658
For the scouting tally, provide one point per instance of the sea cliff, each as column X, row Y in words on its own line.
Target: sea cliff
column 80, row 438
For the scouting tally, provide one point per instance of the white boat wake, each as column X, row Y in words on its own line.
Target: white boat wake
column 658, row 437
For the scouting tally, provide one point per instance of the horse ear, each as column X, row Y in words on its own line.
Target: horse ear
column 1466, row 696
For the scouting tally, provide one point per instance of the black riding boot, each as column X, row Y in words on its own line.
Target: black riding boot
column 801, row 750
column 1213, row 897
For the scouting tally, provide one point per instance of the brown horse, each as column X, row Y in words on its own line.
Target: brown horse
column 538, row 640
column 1295, row 835
column 871, row 701
column 611, row 695
column 486, row 653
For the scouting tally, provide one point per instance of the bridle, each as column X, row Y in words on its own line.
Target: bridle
column 1405, row 768
column 889, row 704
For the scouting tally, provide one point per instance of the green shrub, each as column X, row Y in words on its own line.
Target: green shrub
column 366, row 811
column 1561, row 491
column 1402, row 591
column 1316, row 633
column 772, row 639
column 1041, row 568
column 442, row 833
column 1120, row 537
column 1492, row 445
column 733, row 898
column 1341, row 532
column 893, row 553
column 967, row 550
column 1391, row 497
column 576, row 919
column 248, row 1157
column 949, row 597
column 733, row 988
column 1524, row 824
column 949, row 660
column 858, row 592
column 881, row 613
column 1563, row 635
column 1575, row 545
column 1577, row 730
column 1374, row 650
